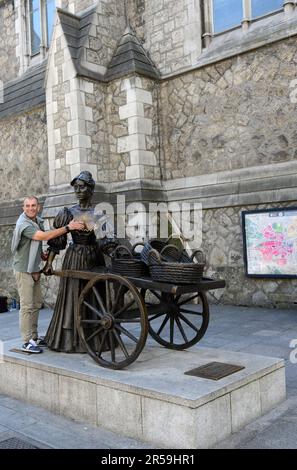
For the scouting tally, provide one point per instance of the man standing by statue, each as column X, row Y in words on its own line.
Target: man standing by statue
column 27, row 250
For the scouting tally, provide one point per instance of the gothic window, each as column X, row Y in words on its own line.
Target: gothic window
column 228, row 14
column 260, row 8
column 40, row 18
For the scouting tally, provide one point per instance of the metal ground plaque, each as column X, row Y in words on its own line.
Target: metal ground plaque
column 20, row 351
column 214, row 370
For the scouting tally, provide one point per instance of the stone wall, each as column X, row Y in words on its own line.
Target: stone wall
column 76, row 6
column 134, row 128
column 223, row 246
column 7, row 281
column 23, row 156
column 23, row 171
column 170, row 31
column 234, row 114
column 98, row 154
column 107, row 26
column 9, row 64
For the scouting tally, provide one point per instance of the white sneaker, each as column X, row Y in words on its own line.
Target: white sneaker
column 31, row 347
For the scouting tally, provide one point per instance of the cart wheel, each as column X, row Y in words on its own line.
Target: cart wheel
column 112, row 321
column 176, row 321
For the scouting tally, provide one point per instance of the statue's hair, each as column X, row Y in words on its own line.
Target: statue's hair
column 85, row 176
column 31, row 197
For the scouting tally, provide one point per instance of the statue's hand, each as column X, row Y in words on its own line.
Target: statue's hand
column 48, row 269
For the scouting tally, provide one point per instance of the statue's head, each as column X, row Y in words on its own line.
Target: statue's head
column 83, row 185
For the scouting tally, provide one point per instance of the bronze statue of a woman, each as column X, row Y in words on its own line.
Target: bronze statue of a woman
column 83, row 253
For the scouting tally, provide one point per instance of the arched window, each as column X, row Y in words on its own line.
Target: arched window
column 40, row 21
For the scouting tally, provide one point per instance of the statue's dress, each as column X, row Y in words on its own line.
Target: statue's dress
column 82, row 254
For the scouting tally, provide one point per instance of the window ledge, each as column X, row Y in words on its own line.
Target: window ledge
column 260, row 33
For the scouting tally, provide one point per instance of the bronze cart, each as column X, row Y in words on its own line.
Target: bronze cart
column 120, row 312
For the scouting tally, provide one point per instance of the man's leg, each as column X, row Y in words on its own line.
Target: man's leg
column 25, row 285
column 37, row 303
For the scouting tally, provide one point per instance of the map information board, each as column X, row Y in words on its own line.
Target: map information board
column 270, row 242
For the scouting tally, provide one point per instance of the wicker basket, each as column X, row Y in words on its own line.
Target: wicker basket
column 172, row 254
column 176, row 272
column 155, row 244
column 127, row 263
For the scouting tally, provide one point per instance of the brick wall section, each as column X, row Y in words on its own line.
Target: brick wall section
column 231, row 115
column 9, row 64
column 23, row 153
column 170, row 31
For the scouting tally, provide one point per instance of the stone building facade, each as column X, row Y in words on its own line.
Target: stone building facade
column 159, row 107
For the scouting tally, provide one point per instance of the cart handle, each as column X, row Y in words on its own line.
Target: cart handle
column 154, row 257
column 134, row 246
column 201, row 258
column 123, row 248
column 174, row 235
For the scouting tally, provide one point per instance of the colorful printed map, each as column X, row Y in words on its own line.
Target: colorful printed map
column 271, row 242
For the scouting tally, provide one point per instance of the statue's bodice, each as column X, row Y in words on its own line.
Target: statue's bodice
column 87, row 236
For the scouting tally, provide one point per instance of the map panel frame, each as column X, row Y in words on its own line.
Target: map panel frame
column 270, row 242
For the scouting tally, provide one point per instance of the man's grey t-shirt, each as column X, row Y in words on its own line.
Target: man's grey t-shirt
column 21, row 257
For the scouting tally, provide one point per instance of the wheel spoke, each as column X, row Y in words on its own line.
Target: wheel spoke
column 163, row 324
column 156, row 316
column 121, row 344
column 112, row 348
column 126, row 332
column 188, row 299
column 94, row 322
column 188, row 323
column 99, row 300
column 171, row 329
column 124, row 308
column 94, row 333
column 108, row 296
column 126, row 320
column 119, row 293
column 156, row 294
column 102, row 343
column 191, row 312
column 181, row 329
column 99, row 314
